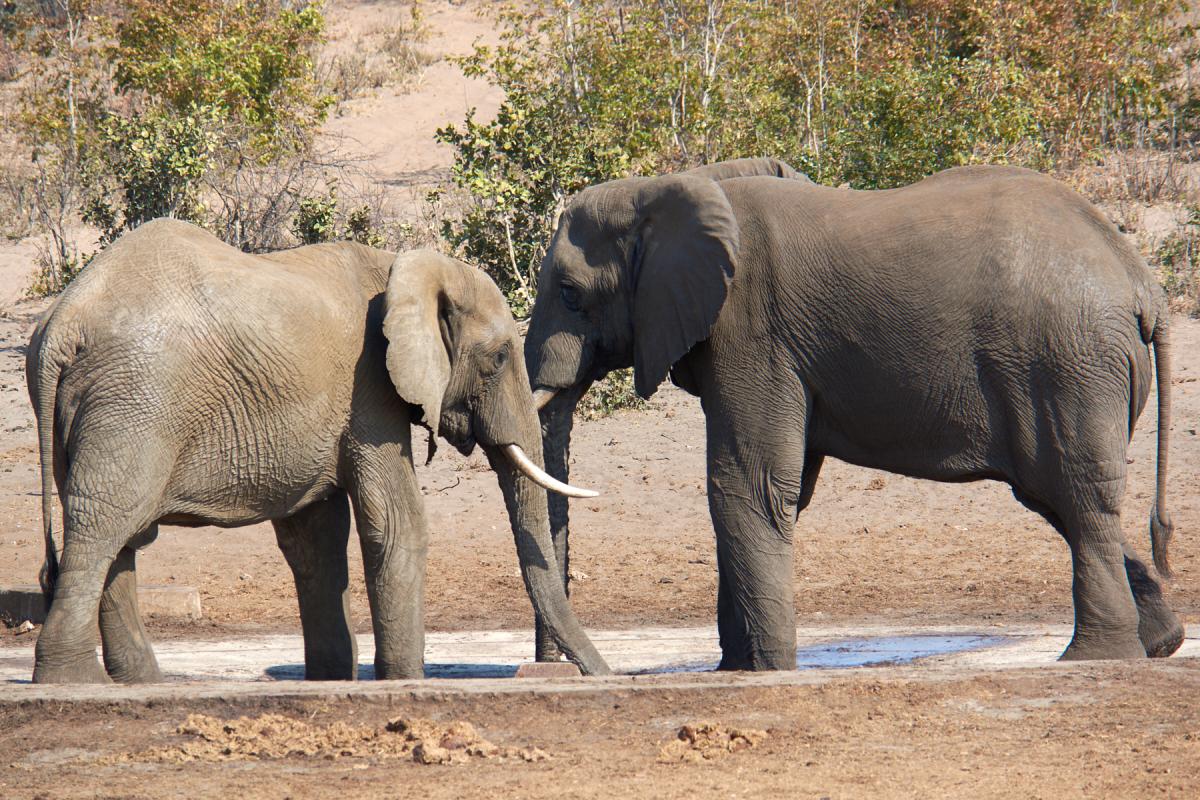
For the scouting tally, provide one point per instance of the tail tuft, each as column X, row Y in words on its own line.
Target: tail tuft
column 48, row 576
column 1161, row 529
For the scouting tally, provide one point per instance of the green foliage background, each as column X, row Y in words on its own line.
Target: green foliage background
column 208, row 110
column 202, row 110
column 867, row 93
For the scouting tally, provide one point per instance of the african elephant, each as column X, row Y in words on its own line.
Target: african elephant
column 180, row 381
column 984, row 323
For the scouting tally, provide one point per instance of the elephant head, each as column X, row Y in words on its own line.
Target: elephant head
column 635, row 276
column 454, row 352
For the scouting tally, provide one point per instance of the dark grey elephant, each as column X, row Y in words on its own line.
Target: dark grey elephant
column 985, row 323
column 179, row 381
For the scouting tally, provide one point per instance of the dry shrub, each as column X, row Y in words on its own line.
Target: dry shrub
column 405, row 53
column 16, row 204
column 352, row 74
column 1138, row 175
column 393, row 55
column 1178, row 261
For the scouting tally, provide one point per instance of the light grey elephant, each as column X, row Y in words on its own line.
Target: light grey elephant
column 179, row 381
column 984, row 323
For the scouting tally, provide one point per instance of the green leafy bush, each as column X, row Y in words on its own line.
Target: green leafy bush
column 155, row 162
column 864, row 92
column 319, row 219
column 315, row 219
column 203, row 110
column 250, row 61
column 610, row 394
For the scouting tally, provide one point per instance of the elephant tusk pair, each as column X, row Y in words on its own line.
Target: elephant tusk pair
column 543, row 396
column 539, row 476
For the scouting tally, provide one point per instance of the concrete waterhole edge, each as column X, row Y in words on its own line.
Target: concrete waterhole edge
column 482, row 662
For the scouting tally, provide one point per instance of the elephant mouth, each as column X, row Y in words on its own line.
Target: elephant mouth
column 464, row 444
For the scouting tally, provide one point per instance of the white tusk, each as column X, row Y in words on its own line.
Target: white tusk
column 543, row 396
column 539, row 476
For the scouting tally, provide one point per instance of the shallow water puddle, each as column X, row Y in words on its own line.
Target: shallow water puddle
column 497, row 654
column 868, row 651
column 874, row 651
column 366, row 672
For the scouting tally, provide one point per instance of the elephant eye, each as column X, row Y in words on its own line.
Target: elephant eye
column 570, row 297
column 499, row 359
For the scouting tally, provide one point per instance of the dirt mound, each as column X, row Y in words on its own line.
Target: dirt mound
column 707, row 741
column 274, row 736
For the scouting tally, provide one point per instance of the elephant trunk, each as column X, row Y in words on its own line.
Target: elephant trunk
column 526, row 504
column 558, row 417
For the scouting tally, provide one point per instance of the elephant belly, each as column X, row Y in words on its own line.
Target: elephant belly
column 940, row 456
column 223, row 514
column 938, row 430
column 227, row 481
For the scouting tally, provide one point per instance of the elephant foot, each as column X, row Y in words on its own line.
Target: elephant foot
column 399, row 672
column 1159, row 629
column 731, row 664
column 759, row 661
column 142, row 670
column 330, row 671
column 1161, row 636
column 1103, row 649
column 83, row 671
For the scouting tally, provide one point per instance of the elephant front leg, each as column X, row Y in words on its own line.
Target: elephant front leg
column 391, row 527
column 314, row 543
column 734, row 637
column 757, row 621
column 731, row 631
column 128, row 655
column 753, row 501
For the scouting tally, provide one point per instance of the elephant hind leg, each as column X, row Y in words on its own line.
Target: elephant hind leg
column 128, row 655
column 1160, row 631
column 66, row 647
column 1106, row 615
column 313, row 541
column 111, row 494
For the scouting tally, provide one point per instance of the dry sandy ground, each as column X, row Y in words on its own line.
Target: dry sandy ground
column 1114, row 730
column 873, row 547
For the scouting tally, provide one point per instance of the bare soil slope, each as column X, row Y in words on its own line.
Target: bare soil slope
column 1084, row 732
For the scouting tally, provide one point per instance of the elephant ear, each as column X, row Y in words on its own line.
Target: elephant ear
column 682, row 261
column 418, row 359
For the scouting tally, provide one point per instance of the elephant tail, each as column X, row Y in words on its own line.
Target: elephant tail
column 43, row 372
column 1161, row 526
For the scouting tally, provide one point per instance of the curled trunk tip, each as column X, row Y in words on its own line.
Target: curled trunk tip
column 542, row 397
